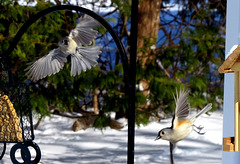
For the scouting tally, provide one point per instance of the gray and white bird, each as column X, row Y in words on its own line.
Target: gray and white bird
column 76, row 45
column 181, row 125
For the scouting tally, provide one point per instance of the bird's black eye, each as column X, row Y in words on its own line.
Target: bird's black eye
column 162, row 132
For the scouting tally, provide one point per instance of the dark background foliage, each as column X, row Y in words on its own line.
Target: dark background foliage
column 186, row 37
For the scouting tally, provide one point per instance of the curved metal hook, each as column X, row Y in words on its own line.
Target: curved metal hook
column 129, row 81
column 42, row 13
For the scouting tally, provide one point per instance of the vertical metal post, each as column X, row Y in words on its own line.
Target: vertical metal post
column 132, row 83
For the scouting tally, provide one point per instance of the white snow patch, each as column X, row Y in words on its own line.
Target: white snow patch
column 231, row 50
column 60, row 145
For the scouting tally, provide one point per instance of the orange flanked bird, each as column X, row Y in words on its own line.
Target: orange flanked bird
column 181, row 125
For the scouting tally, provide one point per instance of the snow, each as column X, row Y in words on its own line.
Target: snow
column 60, row 145
column 231, row 50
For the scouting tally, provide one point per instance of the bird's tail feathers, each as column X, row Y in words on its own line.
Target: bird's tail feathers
column 204, row 110
column 84, row 58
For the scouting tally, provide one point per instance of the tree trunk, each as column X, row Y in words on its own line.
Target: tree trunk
column 38, row 122
column 148, row 27
column 95, row 100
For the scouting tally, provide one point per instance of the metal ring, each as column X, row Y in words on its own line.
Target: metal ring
column 36, row 148
column 25, row 153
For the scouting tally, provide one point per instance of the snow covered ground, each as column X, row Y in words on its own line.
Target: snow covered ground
column 60, row 145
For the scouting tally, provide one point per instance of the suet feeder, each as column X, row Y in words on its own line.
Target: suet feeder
column 16, row 125
column 232, row 65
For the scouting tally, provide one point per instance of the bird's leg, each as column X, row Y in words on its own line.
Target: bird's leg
column 171, row 153
column 198, row 129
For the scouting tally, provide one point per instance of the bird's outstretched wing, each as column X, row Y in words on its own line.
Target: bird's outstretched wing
column 84, row 58
column 83, row 33
column 47, row 65
column 182, row 106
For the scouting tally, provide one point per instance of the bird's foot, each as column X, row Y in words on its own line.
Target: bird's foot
column 198, row 129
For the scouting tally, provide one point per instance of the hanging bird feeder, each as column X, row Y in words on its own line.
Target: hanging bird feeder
column 16, row 124
column 232, row 64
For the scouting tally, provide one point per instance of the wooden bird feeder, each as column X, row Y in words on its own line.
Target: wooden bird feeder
column 232, row 64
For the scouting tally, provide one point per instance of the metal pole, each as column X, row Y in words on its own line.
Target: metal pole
column 132, row 78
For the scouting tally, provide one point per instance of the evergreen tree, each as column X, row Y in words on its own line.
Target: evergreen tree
column 188, row 44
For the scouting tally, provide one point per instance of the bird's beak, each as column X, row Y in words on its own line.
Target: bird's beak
column 157, row 138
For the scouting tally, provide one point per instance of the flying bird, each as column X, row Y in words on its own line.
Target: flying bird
column 77, row 45
column 181, row 125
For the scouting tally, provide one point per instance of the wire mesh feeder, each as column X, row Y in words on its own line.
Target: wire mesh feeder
column 16, row 124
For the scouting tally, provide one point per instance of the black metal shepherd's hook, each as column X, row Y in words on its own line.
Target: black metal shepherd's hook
column 129, row 72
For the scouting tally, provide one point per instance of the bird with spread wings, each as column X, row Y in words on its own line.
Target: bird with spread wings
column 77, row 45
column 181, row 126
